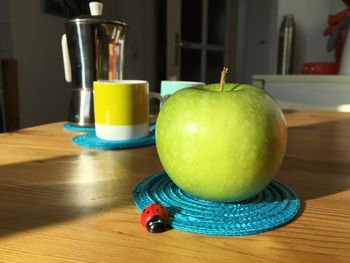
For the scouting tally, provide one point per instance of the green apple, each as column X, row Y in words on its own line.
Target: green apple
column 221, row 143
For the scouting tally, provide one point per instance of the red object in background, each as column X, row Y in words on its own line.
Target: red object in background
column 337, row 31
column 333, row 22
column 320, row 68
column 155, row 218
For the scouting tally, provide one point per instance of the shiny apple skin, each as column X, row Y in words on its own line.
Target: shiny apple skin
column 221, row 145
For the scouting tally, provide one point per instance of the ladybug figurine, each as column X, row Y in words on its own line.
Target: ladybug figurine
column 155, row 218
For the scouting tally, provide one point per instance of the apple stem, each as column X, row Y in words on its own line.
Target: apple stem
column 223, row 77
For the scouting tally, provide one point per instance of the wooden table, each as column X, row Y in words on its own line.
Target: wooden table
column 63, row 203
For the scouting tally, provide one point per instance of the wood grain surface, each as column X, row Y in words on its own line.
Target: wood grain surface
column 63, row 203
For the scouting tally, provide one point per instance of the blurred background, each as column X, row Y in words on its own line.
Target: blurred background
column 166, row 39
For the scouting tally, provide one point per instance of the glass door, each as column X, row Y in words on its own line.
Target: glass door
column 200, row 39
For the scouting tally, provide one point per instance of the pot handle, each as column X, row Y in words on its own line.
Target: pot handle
column 66, row 60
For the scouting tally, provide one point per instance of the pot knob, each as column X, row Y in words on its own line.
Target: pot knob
column 96, row 8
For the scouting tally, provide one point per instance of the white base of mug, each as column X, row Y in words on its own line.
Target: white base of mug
column 121, row 132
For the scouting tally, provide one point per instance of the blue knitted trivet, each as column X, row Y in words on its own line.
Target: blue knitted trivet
column 72, row 127
column 89, row 140
column 274, row 206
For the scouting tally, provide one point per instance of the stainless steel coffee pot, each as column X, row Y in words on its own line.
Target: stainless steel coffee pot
column 93, row 49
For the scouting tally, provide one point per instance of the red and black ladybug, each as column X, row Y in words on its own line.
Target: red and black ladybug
column 155, row 218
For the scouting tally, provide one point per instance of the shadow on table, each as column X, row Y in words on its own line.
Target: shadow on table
column 40, row 193
column 317, row 161
column 44, row 192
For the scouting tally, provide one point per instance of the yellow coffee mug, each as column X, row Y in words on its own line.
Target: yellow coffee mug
column 121, row 109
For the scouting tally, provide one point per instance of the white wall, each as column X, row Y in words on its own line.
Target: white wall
column 258, row 29
column 43, row 94
column 311, row 20
column 33, row 38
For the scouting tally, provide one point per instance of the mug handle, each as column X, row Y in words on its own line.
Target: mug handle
column 155, row 95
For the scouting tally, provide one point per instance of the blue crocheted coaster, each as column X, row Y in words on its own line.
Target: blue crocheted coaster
column 274, row 206
column 72, row 127
column 89, row 140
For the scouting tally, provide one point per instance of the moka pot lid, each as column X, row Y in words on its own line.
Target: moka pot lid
column 95, row 20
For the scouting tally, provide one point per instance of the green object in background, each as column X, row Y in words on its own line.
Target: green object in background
column 168, row 87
